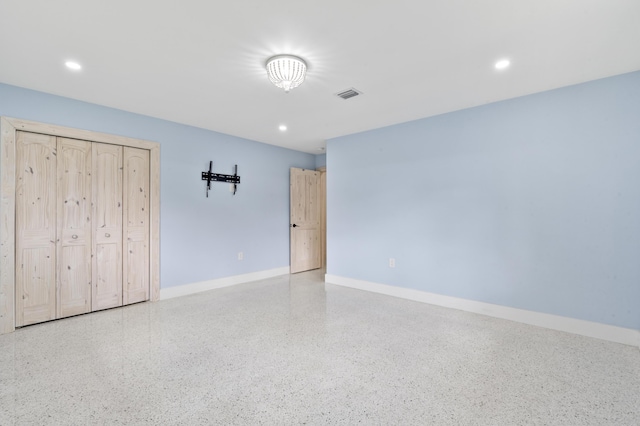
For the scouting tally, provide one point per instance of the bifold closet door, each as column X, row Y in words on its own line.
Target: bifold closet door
column 36, row 202
column 136, row 226
column 74, row 227
column 107, row 226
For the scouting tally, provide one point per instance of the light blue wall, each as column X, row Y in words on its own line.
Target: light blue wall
column 321, row 160
column 200, row 237
column 532, row 203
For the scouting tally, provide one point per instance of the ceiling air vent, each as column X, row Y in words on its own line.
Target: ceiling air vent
column 349, row 93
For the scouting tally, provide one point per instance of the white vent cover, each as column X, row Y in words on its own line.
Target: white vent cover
column 349, row 93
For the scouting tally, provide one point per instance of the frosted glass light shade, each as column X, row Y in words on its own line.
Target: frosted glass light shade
column 286, row 71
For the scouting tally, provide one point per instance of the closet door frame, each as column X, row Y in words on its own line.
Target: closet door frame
column 8, row 128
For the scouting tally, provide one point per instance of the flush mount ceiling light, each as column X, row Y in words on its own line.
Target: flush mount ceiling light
column 286, row 71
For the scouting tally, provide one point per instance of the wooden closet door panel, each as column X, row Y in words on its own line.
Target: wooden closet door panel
column 74, row 227
column 35, row 228
column 107, row 226
column 136, row 225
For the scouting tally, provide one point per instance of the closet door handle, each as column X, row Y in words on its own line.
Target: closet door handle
column 107, row 235
column 75, row 237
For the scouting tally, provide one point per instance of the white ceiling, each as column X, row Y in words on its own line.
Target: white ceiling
column 201, row 62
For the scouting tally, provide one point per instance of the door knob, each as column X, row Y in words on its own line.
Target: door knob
column 294, row 225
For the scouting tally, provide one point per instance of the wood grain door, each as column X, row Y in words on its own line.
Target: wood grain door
column 74, row 227
column 35, row 228
column 107, row 226
column 305, row 237
column 136, row 226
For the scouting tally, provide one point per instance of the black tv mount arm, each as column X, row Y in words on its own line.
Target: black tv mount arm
column 217, row 177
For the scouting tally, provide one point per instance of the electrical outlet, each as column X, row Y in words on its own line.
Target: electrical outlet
column 240, row 255
column 392, row 262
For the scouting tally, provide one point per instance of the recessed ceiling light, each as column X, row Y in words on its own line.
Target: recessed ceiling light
column 282, row 128
column 502, row 64
column 72, row 65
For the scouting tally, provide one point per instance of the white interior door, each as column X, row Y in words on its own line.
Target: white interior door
column 305, row 227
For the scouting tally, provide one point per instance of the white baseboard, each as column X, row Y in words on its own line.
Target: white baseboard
column 611, row 333
column 184, row 290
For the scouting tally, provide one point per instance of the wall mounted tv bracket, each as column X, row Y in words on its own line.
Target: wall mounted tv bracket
column 217, row 177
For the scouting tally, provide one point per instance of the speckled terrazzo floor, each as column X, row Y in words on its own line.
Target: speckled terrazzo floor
column 292, row 350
